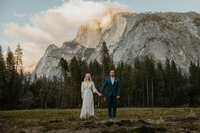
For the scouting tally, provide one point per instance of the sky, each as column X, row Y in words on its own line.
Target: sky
column 37, row 23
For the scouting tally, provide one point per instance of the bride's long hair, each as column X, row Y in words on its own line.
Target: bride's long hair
column 89, row 76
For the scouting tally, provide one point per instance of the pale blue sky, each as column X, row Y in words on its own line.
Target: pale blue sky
column 9, row 7
column 30, row 7
column 20, row 11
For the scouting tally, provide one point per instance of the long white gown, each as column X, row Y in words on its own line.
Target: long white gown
column 88, row 101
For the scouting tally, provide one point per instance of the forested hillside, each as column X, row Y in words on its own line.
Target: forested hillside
column 143, row 84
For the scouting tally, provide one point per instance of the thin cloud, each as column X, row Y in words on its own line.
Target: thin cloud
column 57, row 25
column 20, row 15
column 63, row 1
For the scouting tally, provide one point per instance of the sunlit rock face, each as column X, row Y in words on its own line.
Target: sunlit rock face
column 109, row 27
column 160, row 35
column 129, row 35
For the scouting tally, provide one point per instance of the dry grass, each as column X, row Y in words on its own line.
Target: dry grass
column 68, row 119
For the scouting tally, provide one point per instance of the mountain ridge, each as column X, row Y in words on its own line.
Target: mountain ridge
column 129, row 35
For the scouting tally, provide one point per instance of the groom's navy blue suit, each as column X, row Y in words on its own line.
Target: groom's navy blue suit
column 112, row 92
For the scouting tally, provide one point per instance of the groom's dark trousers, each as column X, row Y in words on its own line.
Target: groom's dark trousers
column 112, row 104
column 112, row 92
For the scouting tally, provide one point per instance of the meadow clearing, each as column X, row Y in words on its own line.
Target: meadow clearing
column 128, row 120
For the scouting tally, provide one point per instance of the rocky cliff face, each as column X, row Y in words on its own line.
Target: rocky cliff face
column 48, row 64
column 128, row 35
column 172, row 35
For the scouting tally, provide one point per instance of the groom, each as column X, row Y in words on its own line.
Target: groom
column 113, row 92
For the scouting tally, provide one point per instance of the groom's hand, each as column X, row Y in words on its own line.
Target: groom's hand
column 100, row 94
column 118, row 97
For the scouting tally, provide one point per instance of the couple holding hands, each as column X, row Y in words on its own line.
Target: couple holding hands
column 88, row 88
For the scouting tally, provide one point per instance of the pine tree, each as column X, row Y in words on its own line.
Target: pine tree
column 75, row 72
column 105, row 59
column 97, row 67
column 18, row 59
column 152, row 78
column 194, row 79
column 64, row 67
column 19, row 79
column 44, row 93
column 2, row 77
column 11, row 90
column 112, row 65
column 125, row 81
column 168, row 86
column 138, row 82
column 149, row 74
column 91, row 67
column 63, row 86
column 174, row 81
column 10, row 65
column 83, row 69
column 160, row 84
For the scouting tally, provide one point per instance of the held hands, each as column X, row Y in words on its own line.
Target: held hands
column 99, row 94
column 118, row 97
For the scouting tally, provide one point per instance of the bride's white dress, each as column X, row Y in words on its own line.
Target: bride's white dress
column 88, row 101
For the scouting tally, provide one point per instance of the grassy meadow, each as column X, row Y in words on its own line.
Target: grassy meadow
column 127, row 120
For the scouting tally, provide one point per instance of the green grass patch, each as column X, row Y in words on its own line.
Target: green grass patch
column 54, row 119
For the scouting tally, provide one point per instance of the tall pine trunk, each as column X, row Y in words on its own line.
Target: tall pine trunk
column 147, row 91
column 152, row 91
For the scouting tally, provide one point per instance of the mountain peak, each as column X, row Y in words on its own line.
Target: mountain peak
column 128, row 36
column 90, row 34
column 50, row 48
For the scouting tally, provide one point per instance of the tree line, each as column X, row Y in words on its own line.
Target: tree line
column 145, row 83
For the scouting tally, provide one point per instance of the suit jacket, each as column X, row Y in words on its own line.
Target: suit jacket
column 113, row 89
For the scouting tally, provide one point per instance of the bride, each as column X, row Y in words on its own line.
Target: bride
column 87, row 90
